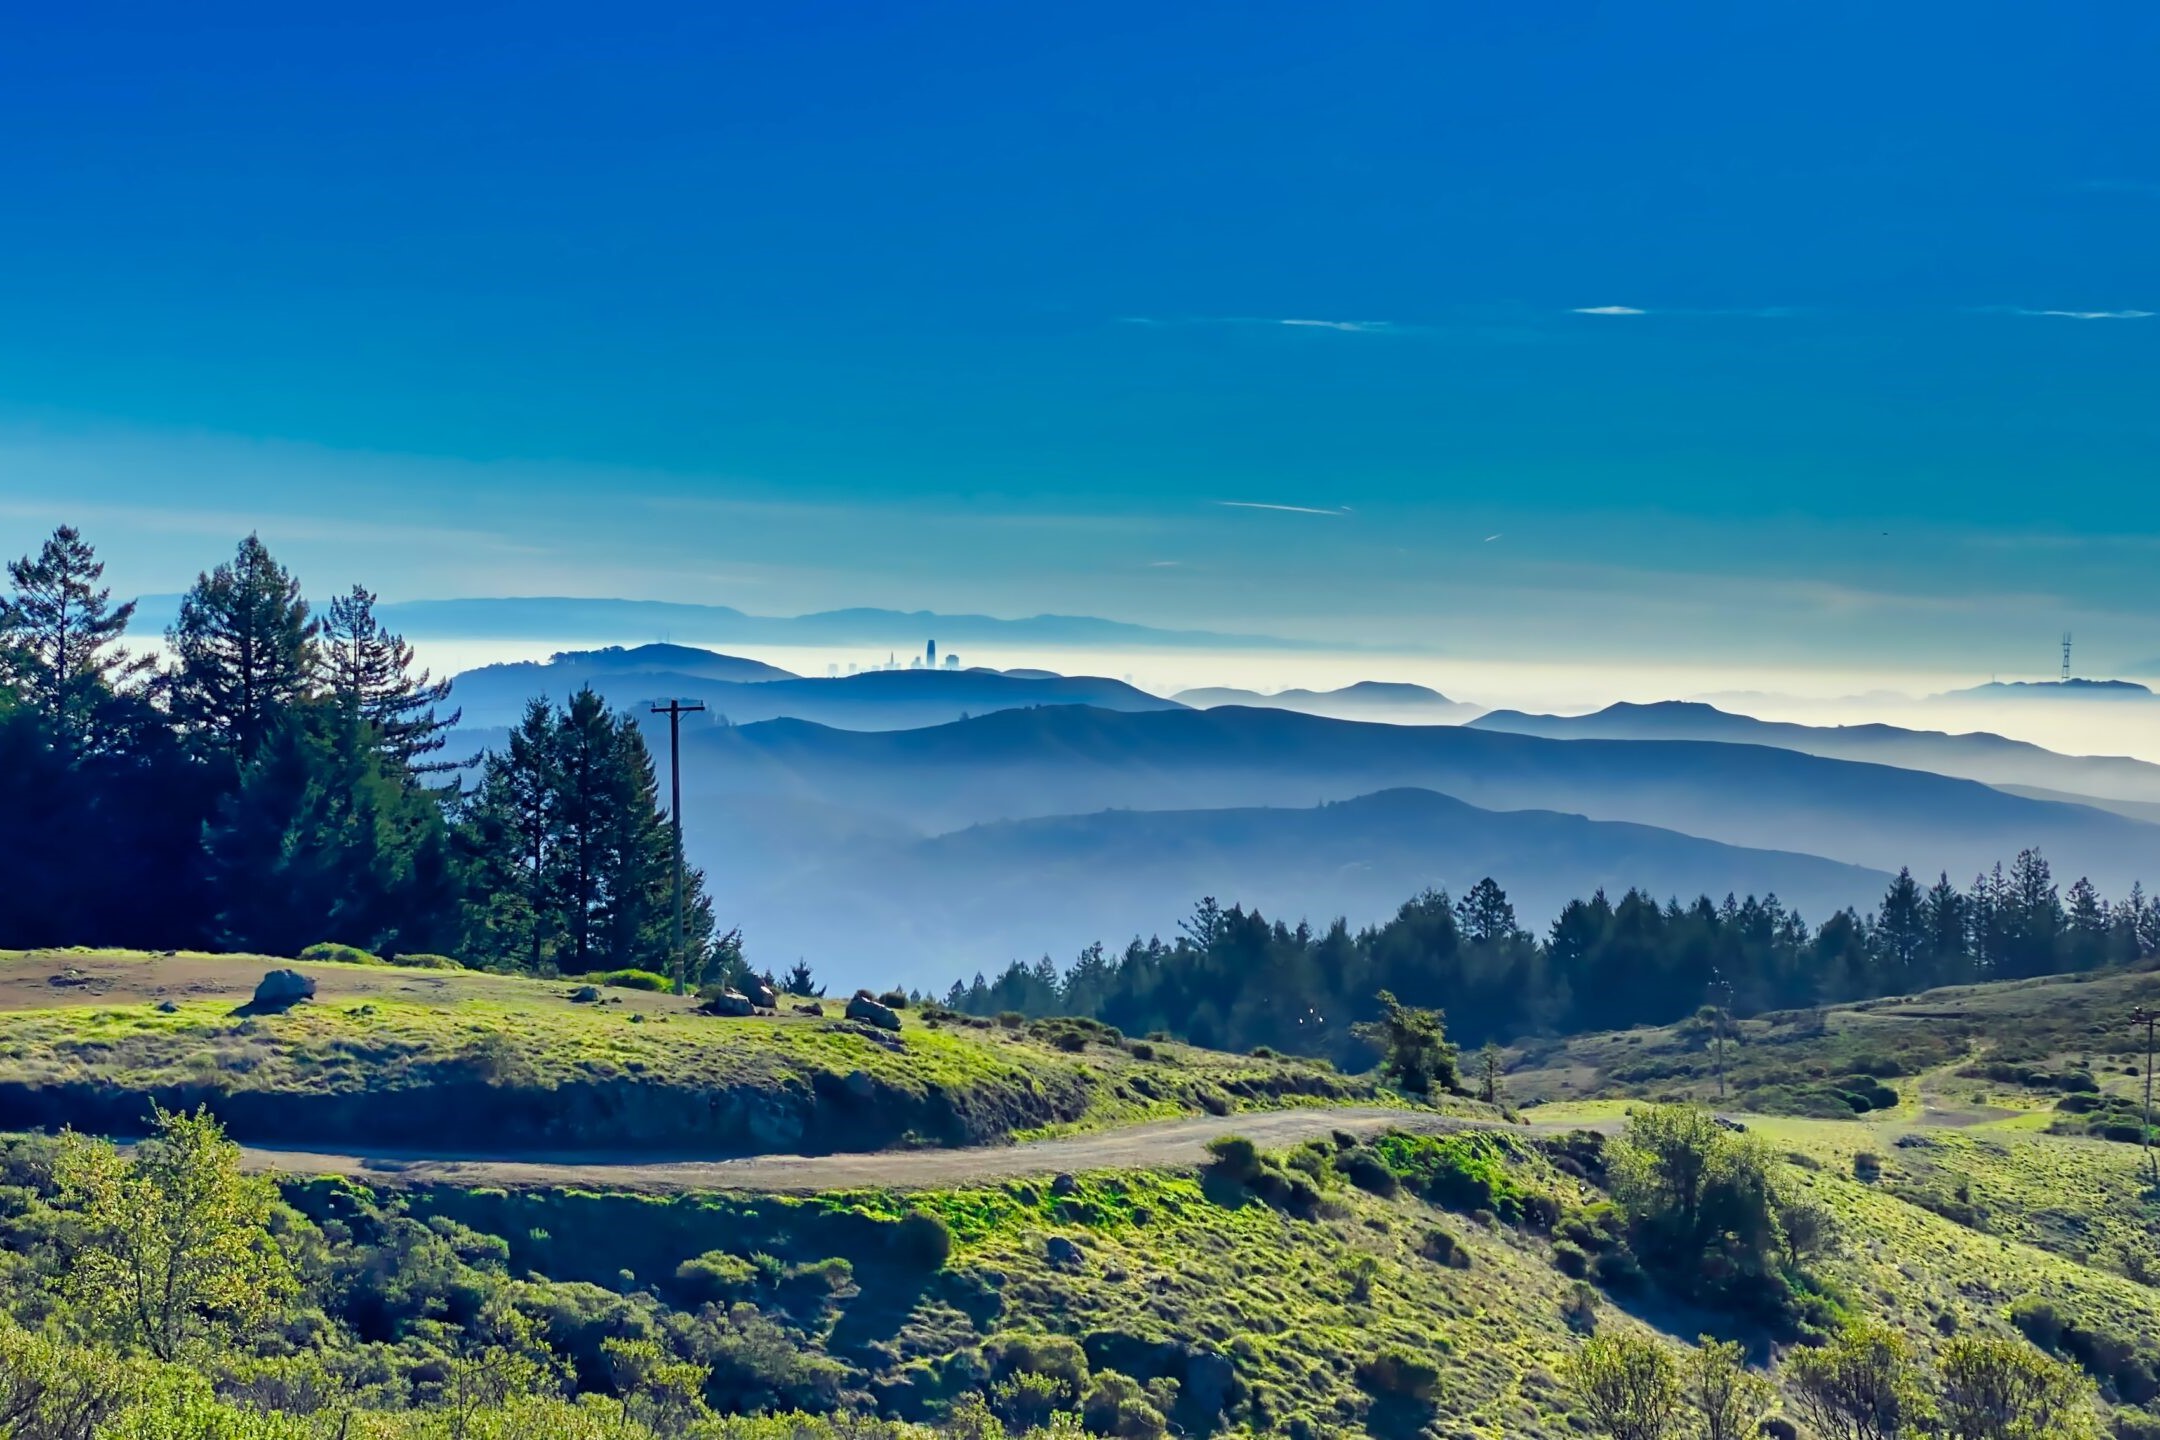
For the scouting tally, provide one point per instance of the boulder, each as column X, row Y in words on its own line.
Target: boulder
column 871, row 1012
column 280, row 988
column 763, row 996
column 1062, row 1252
column 585, row 995
column 1064, row 1185
column 166, row 1007
column 810, row 1008
column 860, row 1086
column 729, row 1002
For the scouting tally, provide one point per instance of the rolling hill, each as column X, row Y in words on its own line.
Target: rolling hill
column 1064, row 760
column 1379, row 700
column 1990, row 759
column 977, row 897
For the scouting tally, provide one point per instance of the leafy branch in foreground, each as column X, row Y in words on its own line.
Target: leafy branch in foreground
column 174, row 1248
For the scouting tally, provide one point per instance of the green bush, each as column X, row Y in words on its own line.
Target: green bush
column 715, row 1277
column 421, row 960
column 922, row 1240
column 632, row 980
column 330, row 952
column 1395, row 1371
column 1235, row 1158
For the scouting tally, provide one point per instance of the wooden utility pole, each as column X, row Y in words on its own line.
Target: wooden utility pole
column 2148, row 1016
column 675, row 710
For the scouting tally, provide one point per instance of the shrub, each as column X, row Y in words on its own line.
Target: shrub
column 1860, row 1382
column 1235, row 1158
column 893, row 999
column 1141, row 1050
column 714, row 1277
column 1629, row 1384
column 1115, row 1405
column 1415, row 1052
column 421, row 960
column 1366, row 1170
column 1395, row 1371
column 922, row 1240
column 332, row 953
column 1867, row 1166
column 1011, row 1019
column 633, row 980
column 1442, row 1248
column 1579, row 1309
column 1570, row 1260
column 1995, row 1386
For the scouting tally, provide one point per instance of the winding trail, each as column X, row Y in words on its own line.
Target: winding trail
column 1158, row 1145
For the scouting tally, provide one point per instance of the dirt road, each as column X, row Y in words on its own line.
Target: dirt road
column 1161, row 1145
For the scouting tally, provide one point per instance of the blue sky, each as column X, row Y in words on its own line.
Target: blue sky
column 996, row 307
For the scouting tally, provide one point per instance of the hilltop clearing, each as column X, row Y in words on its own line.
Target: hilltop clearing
column 450, row 1062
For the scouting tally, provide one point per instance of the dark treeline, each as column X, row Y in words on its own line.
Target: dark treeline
column 1234, row 980
column 279, row 780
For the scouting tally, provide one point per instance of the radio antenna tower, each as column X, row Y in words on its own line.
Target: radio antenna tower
column 2066, row 656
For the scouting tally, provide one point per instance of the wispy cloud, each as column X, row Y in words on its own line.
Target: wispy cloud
column 2090, row 314
column 1607, row 310
column 1285, row 509
column 1489, row 539
column 1354, row 327
column 1345, row 327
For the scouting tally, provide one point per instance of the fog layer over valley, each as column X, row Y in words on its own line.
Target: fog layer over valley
column 862, row 823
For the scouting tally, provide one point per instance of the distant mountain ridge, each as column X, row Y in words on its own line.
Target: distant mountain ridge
column 2072, row 689
column 1391, row 702
column 978, row 897
column 745, row 692
column 1989, row 759
column 574, row 619
column 1064, row 760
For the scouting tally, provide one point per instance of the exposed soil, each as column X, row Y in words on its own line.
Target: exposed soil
column 1164, row 1144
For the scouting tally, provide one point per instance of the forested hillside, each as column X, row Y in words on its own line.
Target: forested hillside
column 1231, row 978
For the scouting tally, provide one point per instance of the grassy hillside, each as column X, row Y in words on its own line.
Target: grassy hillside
column 1971, row 1054
column 1387, row 1284
column 449, row 1061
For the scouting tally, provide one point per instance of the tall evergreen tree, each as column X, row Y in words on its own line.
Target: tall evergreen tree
column 508, row 835
column 59, row 641
column 1948, row 928
column 1902, row 933
column 370, row 672
column 246, row 650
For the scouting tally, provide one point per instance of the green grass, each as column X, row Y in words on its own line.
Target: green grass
column 440, row 1060
column 2012, row 1045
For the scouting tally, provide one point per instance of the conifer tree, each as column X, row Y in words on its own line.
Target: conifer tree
column 246, row 650
column 370, row 672
column 59, row 640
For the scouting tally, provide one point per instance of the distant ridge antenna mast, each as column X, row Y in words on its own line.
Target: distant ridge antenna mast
column 2066, row 657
